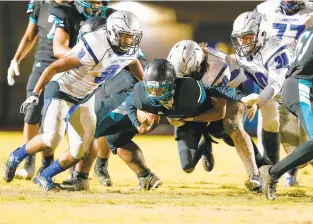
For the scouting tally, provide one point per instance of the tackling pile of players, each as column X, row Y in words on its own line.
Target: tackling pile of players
column 88, row 81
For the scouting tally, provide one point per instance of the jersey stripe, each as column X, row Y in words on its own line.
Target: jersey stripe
column 90, row 50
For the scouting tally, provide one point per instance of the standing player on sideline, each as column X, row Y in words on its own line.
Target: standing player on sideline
column 42, row 29
column 213, row 67
column 285, row 21
column 70, row 94
column 297, row 97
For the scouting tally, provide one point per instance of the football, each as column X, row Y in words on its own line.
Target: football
column 147, row 117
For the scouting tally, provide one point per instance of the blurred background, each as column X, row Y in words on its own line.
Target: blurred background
column 163, row 22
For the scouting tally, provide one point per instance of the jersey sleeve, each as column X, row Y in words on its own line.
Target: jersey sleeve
column 277, row 67
column 60, row 17
column 33, row 10
column 225, row 92
column 87, row 50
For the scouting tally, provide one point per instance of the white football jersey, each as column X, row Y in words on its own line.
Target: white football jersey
column 267, row 68
column 217, row 72
column 99, row 62
column 286, row 28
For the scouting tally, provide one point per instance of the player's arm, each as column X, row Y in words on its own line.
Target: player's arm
column 27, row 43
column 225, row 92
column 61, row 38
column 61, row 41
column 136, row 69
column 216, row 113
column 132, row 111
column 64, row 64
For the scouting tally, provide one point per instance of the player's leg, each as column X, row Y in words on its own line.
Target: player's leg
column 270, row 131
column 289, row 131
column 297, row 97
column 32, row 121
column 81, row 124
column 187, row 138
column 53, row 132
column 233, row 125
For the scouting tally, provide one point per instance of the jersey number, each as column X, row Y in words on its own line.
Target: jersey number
column 300, row 49
column 108, row 73
column 51, row 19
column 282, row 29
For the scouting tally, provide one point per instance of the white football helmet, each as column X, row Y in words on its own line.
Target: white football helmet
column 248, row 33
column 123, row 23
column 186, row 56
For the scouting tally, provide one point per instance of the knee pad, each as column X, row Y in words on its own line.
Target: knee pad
column 78, row 149
column 52, row 140
column 33, row 114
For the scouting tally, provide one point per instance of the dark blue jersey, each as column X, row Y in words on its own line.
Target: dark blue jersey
column 190, row 99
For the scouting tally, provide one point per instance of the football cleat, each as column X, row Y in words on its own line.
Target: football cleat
column 149, row 182
column 269, row 184
column 75, row 184
column 9, row 168
column 207, row 155
column 28, row 171
column 254, row 183
column 45, row 183
column 103, row 175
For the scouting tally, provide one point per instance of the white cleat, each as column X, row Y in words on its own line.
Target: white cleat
column 268, row 183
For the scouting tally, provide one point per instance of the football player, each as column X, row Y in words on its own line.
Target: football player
column 265, row 61
column 286, row 21
column 70, row 94
column 40, row 29
column 297, row 97
column 185, row 101
column 213, row 67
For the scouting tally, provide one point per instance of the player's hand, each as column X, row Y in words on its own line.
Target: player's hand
column 176, row 122
column 145, row 127
column 32, row 100
column 251, row 111
column 251, row 99
column 12, row 71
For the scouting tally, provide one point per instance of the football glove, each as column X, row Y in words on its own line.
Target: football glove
column 32, row 100
column 251, row 99
column 12, row 71
column 176, row 122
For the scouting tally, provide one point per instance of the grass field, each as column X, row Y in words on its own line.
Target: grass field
column 199, row 197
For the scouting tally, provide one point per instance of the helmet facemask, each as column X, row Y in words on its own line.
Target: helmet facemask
column 159, row 93
column 92, row 8
column 291, row 7
column 244, row 43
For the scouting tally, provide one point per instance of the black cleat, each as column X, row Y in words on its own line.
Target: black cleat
column 77, row 183
column 207, row 155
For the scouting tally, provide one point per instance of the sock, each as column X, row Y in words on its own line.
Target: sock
column 144, row 173
column 270, row 141
column 259, row 159
column 84, row 176
column 52, row 170
column 302, row 154
column 20, row 153
column 47, row 160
